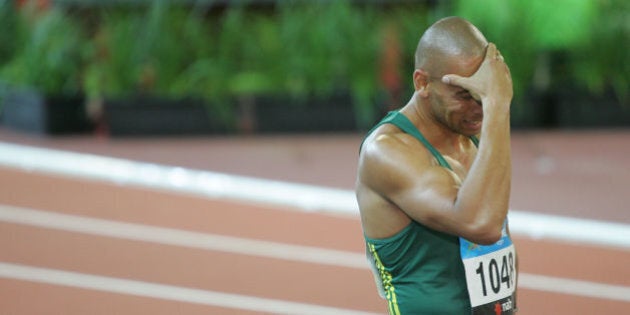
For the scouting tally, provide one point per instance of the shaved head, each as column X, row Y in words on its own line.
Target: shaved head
column 446, row 42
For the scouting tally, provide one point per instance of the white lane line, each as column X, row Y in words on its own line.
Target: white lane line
column 167, row 292
column 573, row 230
column 315, row 255
column 183, row 238
column 574, row 287
column 296, row 196
column 178, row 179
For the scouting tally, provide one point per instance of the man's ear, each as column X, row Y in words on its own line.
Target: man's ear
column 420, row 81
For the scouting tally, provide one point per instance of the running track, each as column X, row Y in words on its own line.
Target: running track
column 78, row 245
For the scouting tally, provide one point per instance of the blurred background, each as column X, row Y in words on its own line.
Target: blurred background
column 199, row 157
column 261, row 66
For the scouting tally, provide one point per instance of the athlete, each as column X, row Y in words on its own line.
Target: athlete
column 433, row 182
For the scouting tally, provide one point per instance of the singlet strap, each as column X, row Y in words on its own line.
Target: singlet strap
column 475, row 140
column 401, row 121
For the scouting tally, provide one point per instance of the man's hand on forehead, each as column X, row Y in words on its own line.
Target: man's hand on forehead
column 491, row 80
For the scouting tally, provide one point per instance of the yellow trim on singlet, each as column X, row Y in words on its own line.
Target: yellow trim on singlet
column 386, row 278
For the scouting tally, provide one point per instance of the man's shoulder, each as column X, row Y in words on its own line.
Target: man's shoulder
column 390, row 158
column 388, row 138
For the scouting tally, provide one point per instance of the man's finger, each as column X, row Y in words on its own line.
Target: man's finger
column 454, row 79
column 498, row 55
column 491, row 51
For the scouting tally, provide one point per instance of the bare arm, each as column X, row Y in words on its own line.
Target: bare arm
column 474, row 208
column 486, row 191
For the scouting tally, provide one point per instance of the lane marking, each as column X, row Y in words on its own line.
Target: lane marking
column 574, row 287
column 178, row 179
column 315, row 255
column 183, row 238
column 167, row 292
column 572, row 230
column 297, row 196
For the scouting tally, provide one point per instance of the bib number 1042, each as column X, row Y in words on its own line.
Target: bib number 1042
column 496, row 273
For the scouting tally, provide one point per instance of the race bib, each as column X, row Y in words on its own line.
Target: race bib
column 490, row 275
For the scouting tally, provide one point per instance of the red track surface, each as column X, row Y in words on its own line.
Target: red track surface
column 243, row 274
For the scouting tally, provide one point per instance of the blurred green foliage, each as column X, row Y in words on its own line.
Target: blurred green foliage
column 10, row 37
column 591, row 40
column 144, row 52
column 45, row 51
column 297, row 48
column 603, row 59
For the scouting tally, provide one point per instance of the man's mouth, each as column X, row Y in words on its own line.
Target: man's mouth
column 472, row 124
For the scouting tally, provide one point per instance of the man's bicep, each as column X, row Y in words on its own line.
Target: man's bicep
column 429, row 198
column 424, row 191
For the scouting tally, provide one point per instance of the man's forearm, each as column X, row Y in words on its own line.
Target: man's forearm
column 484, row 195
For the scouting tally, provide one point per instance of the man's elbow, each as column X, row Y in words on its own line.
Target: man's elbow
column 485, row 234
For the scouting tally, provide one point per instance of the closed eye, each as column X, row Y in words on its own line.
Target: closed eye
column 464, row 95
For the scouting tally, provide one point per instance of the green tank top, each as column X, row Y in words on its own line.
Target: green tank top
column 419, row 270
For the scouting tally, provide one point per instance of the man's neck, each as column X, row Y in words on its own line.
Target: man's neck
column 440, row 136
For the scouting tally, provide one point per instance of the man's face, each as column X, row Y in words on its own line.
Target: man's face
column 454, row 106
